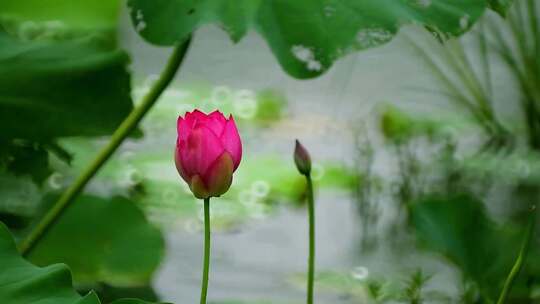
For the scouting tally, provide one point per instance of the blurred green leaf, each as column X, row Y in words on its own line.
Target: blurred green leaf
column 61, row 74
column 399, row 126
column 83, row 14
column 20, row 199
column 458, row 228
column 500, row 6
column 103, row 240
column 25, row 158
column 306, row 36
column 67, row 87
column 270, row 106
column 23, row 283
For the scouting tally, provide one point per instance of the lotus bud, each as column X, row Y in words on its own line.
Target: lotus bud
column 302, row 159
column 208, row 152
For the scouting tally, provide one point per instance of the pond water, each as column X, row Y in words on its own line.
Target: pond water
column 257, row 262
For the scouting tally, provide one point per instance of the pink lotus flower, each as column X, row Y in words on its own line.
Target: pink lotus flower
column 208, row 151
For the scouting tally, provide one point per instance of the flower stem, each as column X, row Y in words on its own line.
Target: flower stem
column 119, row 135
column 206, row 263
column 520, row 259
column 311, row 259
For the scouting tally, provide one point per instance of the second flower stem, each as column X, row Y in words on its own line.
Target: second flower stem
column 311, row 259
column 120, row 134
column 206, row 263
column 520, row 261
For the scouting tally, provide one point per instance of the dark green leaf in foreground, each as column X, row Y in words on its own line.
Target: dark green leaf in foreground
column 61, row 83
column 61, row 74
column 24, row 283
column 306, row 36
column 103, row 240
column 500, row 6
column 25, row 158
column 458, row 228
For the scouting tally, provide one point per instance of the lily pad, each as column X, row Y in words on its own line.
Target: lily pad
column 23, row 283
column 459, row 229
column 103, row 240
column 77, row 86
column 61, row 74
column 306, row 36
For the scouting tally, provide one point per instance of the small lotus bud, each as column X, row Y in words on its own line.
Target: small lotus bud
column 302, row 159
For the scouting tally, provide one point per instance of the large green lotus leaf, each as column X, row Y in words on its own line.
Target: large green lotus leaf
column 103, row 240
column 459, row 228
column 73, row 85
column 61, row 74
column 306, row 36
column 23, row 283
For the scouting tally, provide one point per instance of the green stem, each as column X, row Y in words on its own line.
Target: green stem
column 519, row 261
column 120, row 134
column 206, row 264
column 311, row 259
